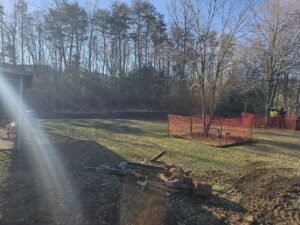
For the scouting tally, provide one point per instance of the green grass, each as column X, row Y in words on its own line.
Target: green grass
column 140, row 140
column 5, row 159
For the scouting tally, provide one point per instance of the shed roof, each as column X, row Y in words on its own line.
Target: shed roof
column 15, row 71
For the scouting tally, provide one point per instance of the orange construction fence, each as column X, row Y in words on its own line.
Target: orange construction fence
column 285, row 122
column 219, row 131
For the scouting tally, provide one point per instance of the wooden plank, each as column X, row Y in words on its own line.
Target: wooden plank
column 158, row 156
column 142, row 166
column 108, row 170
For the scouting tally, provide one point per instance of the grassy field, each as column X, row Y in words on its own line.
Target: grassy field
column 252, row 184
column 141, row 140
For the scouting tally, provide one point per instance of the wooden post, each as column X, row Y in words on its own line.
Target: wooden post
column 221, row 135
column 294, row 119
column 168, row 127
column 20, row 116
column 251, row 126
column 191, row 127
column 157, row 157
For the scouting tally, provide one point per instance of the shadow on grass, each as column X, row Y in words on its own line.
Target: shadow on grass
column 115, row 126
column 103, row 199
column 223, row 203
column 200, row 214
column 25, row 199
column 278, row 133
column 273, row 147
column 286, row 145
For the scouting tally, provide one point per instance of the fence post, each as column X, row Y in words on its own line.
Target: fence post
column 168, row 131
column 221, row 139
column 191, row 127
column 294, row 123
column 251, row 126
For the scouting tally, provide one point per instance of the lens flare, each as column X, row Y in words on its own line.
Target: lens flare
column 56, row 185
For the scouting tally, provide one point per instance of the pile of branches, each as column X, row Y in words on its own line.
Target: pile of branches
column 158, row 176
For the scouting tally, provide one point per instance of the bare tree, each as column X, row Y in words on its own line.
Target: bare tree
column 276, row 32
column 216, row 26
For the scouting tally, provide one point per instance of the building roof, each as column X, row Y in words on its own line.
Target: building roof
column 14, row 71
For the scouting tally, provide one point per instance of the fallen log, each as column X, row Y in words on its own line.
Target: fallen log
column 164, row 187
column 142, row 166
column 109, row 170
column 167, row 178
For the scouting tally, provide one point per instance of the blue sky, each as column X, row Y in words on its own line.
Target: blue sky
column 161, row 5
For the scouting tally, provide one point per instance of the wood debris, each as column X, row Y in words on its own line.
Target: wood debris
column 158, row 156
column 166, row 178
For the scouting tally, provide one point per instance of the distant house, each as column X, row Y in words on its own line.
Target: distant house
column 18, row 78
column 16, row 75
column 40, row 70
column 37, row 71
column 13, row 81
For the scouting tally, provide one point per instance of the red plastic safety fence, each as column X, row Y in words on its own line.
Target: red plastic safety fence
column 179, row 126
column 285, row 122
column 218, row 130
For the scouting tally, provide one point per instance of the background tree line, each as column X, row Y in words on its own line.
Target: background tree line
column 203, row 57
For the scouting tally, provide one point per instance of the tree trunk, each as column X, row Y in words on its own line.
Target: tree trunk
column 297, row 103
column 285, row 90
column 90, row 49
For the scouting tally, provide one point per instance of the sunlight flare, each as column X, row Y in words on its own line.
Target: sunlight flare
column 47, row 160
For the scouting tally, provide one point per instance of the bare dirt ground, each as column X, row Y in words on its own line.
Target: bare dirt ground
column 267, row 194
column 6, row 143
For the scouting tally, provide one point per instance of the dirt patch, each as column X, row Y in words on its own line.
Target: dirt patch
column 273, row 195
column 268, row 195
column 5, row 142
